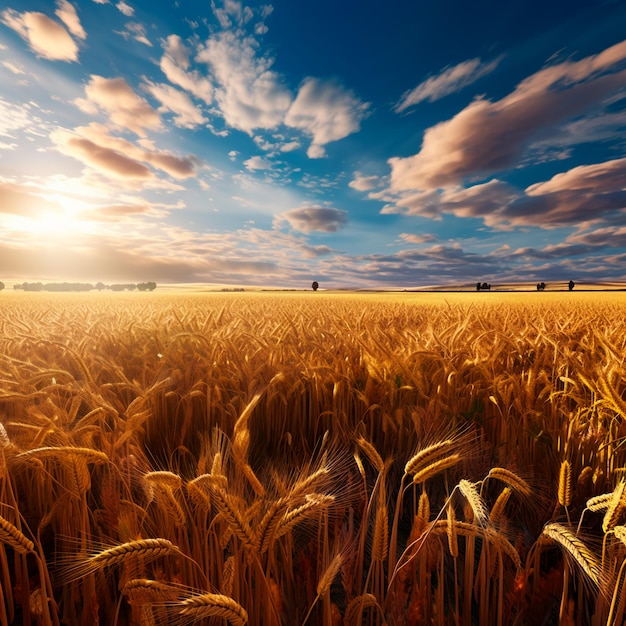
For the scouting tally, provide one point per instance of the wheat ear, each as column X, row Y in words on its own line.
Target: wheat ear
column 574, row 549
column 356, row 607
column 477, row 504
column 599, row 503
column 432, row 469
column 372, row 454
column 427, row 455
column 145, row 591
column 13, row 536
column 614, row 508
column 497, row 510
column 565, row 484
column 453, row 543
column 511, row 479
column 313, row 502
column 214, row 605
column 146, row 549
column 89, row 454
column 329, row 575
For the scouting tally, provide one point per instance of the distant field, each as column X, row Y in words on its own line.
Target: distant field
column 290, row 458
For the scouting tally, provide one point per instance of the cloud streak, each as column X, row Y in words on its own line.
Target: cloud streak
column 448, row 81
column 487, row 137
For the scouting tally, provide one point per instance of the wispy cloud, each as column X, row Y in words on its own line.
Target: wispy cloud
column 186, row 113
column 175, row 65
column 448, row 81
column 66, row 12
column 137, row 32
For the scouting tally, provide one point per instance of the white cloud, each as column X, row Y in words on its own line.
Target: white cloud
column 417, row 239
column 290, row 146
column 326, row 111
column 125, row 108
column 313, row 218
column 118, row 158
column 125, row 8
column 448, row 81
column 364, row 183
column 257, row 163
column 66, row 12
column 45, row 37
column 250, row 95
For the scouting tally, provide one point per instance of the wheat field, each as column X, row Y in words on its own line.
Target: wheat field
column 312, row 459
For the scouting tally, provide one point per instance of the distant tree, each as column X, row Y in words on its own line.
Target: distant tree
column 486, row 286
column 315, row 285
column 478, row 286
column 541, row 286
column 100, row 286
column 571, row 285
column 1, row 285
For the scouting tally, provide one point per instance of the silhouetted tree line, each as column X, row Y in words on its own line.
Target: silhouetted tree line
column 149, row 286
column 483, row 286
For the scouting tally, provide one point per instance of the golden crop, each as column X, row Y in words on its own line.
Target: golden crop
column 318, row 459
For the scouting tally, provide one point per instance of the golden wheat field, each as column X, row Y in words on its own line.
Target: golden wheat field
column 308, row 459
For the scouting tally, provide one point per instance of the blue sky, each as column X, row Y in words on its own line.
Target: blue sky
column 359, row 144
